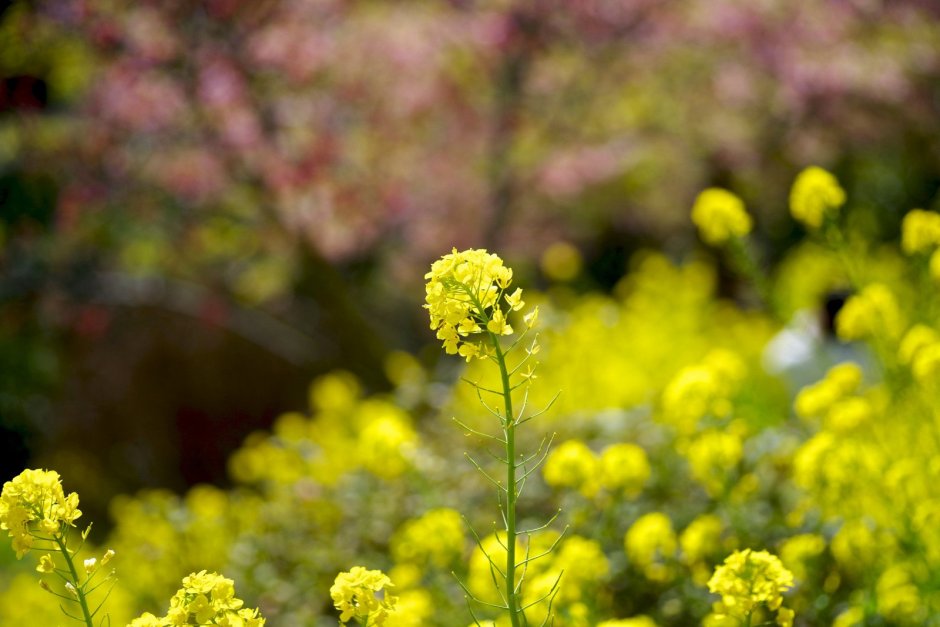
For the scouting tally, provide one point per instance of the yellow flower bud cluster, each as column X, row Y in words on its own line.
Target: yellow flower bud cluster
column 815, row 195
column 749, row 579
column 205, row 599
column 361, row 594
column 873, row 312
column 35, row 496
column 651, row 545
column 435, row 538
column 720, row 216
column 467, row 296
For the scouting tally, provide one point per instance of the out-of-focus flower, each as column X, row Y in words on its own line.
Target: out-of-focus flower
column 873, row 312
column 815, row 195
column 920, row 231
column 651, row 544
column 572, row 465
column 720, row 215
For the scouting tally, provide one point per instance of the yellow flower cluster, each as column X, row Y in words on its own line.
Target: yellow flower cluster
column 703, row 389
column 35, row 495
column 572, row 465
column 815, row 195
column 833, row 399
column 920, row 231
column 361, row 593
column 749, row 579
column 205, row 599
column 920, row 350
column 720, row 216
column 621, row 468
column 435, row 538
column 346, row 432
column 651, row 544
column 873, row 312
column 464, row 297
column 713, row 456
column 624, row 468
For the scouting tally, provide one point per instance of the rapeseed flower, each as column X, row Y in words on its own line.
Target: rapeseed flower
column 437, row 537
column 624, row 467
column 815, row 195
column 873, row 312
column 651, row 544
column 361, row 593
column 572, row 465
column 720, row 216
column 920, row 231
column 749, row 579
column 35, row 496
column 465, row 295
column 205, row 599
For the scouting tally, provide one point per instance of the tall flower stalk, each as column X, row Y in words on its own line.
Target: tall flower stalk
column 469, row 302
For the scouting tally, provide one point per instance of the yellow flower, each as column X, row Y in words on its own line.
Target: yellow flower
column 815, row 195
column 713, row 456
column 624, row 467
column 437, row 537
column 700, row 538
column 360, row 593
column 651, row 544
column 873, row 312
column 920, row 231
column 146, row 620
column 748, row 579
column 46, row 565
column 205, row 599
column 720, row 216
column 463, row 297
column 572, row 465
column 35, row 495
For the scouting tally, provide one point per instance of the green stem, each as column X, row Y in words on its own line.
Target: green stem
column 78, row 589
column 509, row 430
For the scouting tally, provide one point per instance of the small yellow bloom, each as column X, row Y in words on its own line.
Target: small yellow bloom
column 515, row 300
column 720, row 216
column 815, row 195
column 46, row 565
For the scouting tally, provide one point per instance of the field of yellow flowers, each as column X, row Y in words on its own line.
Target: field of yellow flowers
column 675, row 457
